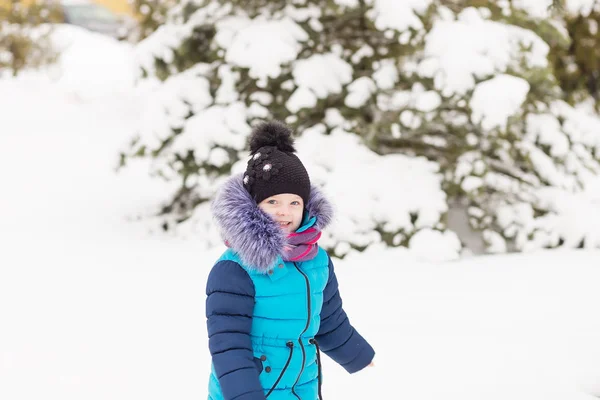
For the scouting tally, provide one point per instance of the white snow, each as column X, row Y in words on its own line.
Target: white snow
column 263, row 98
column 359, row 92
column 303, row 12
column 416, row 190
column 471, row 183
column 218, row 157
column 428, row 101
column 364, row 51
column 581, row 127
column 542, row 8
column 221, row 125
column 168, row 105
column 447, row 245
column 334, row 118
column 397, row 14
column 497, row 99
column 410, row 119
column 260, row 45
column 546, row 168
column 166, row 40
column 333, row 72
column 95, row 304
column 347, row 3
column 301, row 98
column 91, row 65
column 227, row 92
column 583, row 7
column 496, row 243
column 546, row 129
column 417, row 98
column 459, row 51
column 386, row 74
column 258, row 111
column 538, row 9
column 573, row 219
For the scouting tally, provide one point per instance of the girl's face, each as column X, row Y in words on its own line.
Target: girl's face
column 286, row 209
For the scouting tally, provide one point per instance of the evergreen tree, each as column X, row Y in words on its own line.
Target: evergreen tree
column 24, row 35
column 465, row 84
column 577, row 65
column 152, row 14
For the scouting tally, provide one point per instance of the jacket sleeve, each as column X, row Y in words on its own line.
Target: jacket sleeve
column 229, row 308
column 336, row 337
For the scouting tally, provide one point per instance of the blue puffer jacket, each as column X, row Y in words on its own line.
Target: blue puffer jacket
column 268, row 318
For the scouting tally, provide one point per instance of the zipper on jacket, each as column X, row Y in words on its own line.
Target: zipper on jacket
column 287, row 363
column 319, row 376
column 305, row 329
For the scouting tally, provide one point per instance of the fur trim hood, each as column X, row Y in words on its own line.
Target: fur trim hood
column 251, row 232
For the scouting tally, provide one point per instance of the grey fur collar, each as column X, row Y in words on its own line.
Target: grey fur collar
column 252, row 233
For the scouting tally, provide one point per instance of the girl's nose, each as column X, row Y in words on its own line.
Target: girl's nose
column 281, row 211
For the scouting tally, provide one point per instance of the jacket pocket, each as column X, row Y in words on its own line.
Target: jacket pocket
column 259, row 364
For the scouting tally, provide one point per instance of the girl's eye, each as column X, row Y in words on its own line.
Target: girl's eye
column 272, row 201
column 295, row 203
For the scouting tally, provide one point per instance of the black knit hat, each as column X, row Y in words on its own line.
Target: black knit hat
column 273, row 167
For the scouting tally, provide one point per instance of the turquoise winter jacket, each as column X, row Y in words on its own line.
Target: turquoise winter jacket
column 268, row 319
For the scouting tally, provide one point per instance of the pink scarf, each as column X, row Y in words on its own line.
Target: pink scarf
column 302, row 246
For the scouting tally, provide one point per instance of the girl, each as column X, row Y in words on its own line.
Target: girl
column 272, row 298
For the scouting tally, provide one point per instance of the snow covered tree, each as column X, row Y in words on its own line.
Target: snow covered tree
column 577, row 64
column 427, row 101
column 152, row 14
column 24, row 36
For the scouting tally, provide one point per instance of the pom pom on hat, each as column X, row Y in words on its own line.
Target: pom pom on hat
column 273, row 134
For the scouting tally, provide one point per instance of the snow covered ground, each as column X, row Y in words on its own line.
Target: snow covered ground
column 92, row 306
